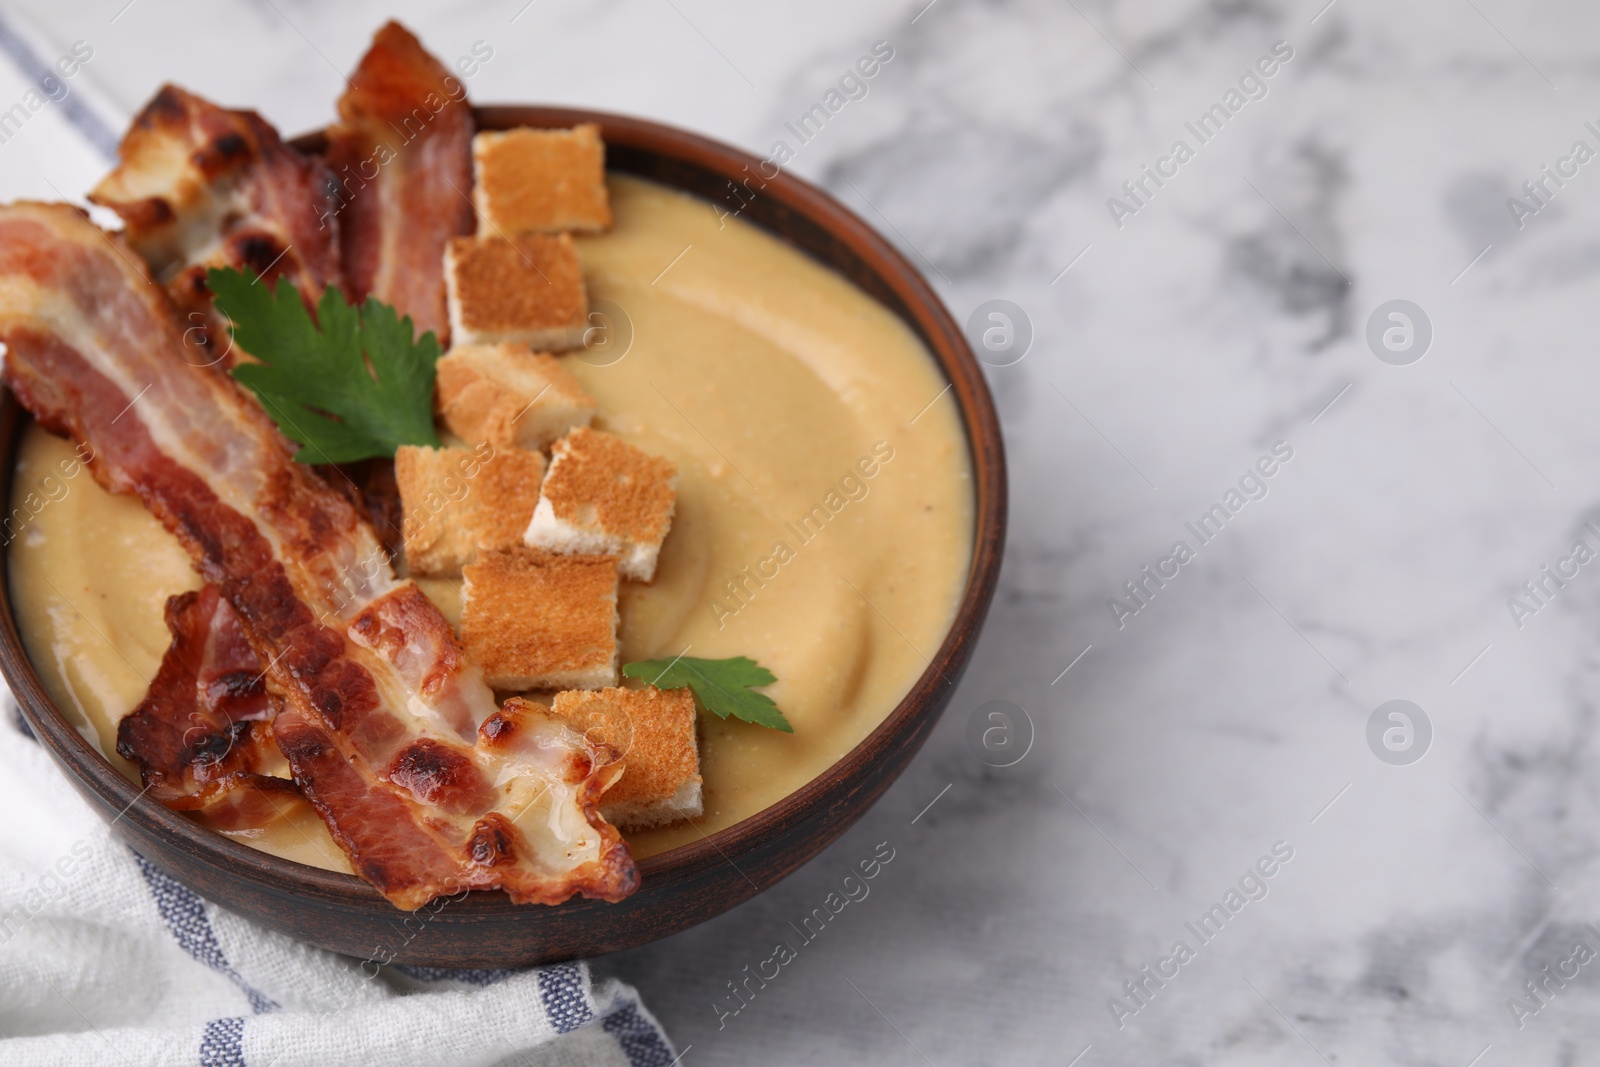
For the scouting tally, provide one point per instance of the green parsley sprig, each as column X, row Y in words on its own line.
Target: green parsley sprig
column 723, row 686
column 353, row 384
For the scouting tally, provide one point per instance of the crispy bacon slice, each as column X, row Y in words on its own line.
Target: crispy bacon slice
column 201, row 736
column 401, row 154
column 380, row 711
column 199, row 186
column 370, row 485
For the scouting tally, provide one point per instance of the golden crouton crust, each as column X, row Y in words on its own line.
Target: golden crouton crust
column 498, row 393
column 630, row 491
column 531, row 618
column 527, row 288
column 652, row 731
column 458, row 502
column 541, row 180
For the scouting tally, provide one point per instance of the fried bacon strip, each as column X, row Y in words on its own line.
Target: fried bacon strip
column 370, row 485
column 381, row 714
column 199, row 186
column 401, row 154
column 201, row 736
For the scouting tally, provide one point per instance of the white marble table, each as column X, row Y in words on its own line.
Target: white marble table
column 1227, row 313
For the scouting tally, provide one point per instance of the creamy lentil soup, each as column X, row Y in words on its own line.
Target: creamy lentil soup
column 819, row 529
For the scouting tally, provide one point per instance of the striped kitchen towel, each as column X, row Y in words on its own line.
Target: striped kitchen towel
column 104, row 958
column 57, row 125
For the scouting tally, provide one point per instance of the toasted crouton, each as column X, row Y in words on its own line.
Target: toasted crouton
column 528, row 289
column 604, row 496
column 458, row 502
column 534, row 620
column 508, row 396
column 541, row 181
column 653, row 733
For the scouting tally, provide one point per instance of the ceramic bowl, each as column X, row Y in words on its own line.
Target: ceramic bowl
column 686, row 885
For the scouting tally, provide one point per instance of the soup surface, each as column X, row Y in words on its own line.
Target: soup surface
column 823, row 526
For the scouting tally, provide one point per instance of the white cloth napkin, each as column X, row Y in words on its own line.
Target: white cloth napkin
column 105, row 959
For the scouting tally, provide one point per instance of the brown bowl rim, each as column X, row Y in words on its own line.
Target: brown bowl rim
column 919, row 307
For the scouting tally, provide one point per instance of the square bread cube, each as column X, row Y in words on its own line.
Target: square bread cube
column 507, row 396
column 604, row 496
column 542, row 181
column 653, row 733
column 536, row 620
column 527, row 289
column 457, row 502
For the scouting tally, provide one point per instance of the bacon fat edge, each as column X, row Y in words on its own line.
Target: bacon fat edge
column 200, row 186
column 389, row 732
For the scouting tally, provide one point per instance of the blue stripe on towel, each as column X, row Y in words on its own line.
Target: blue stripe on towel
column 478, row 976
column 643, row 1043
column 185, row 914
column 222, row 1043
column 561, row 989
column 87, row 122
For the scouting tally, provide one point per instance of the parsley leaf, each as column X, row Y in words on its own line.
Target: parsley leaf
column 723, row 686
column 350, row 385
